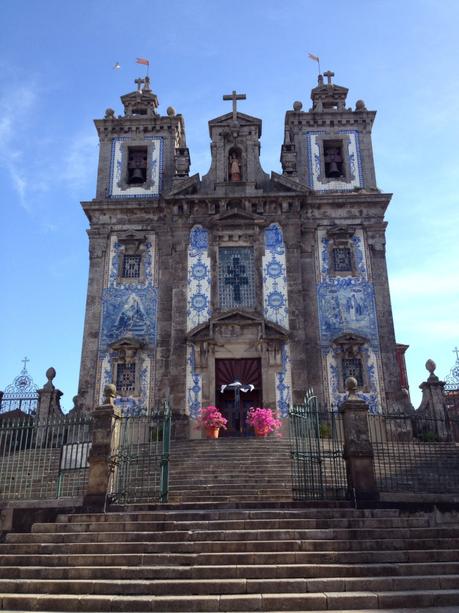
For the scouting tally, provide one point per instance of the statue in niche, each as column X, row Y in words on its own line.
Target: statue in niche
column 234, row 167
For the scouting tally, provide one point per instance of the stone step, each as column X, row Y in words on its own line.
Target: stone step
column 225, row 534
column 236, row 524
column 208, row 512
column 228, row 558
column 239, row 586
column 303, row 571
column 335, row 601
column 238, row 546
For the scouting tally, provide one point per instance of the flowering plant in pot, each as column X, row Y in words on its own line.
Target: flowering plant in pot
column 262, row 421
column 211, row 419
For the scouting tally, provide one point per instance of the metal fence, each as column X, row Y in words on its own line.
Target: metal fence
column 316, row 447
column 140, row 463
column 414, row 454
column 44, row 459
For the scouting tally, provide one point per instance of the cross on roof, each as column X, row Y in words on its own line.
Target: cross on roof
column 234, row 97
column 24, row 361
column 139, row 83
column 456, row 351
column 329, row 74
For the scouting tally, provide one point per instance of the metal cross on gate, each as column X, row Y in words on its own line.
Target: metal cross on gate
column 236, row 277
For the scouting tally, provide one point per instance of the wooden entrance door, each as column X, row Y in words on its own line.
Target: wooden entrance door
column 245, row 370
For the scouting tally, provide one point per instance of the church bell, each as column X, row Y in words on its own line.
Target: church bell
column 137, row 176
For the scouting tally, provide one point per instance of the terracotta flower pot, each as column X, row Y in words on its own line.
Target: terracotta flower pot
column 263, row 431
column 212, row 432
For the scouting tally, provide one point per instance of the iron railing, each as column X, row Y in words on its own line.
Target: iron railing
column 414, row 454
column 140, row 462
column 44, row 459
column 316, row 447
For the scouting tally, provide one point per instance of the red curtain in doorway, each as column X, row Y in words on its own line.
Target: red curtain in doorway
column 246, row 370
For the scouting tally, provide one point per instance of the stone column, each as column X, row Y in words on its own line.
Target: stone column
column 432, row 415
column 49, row 397
column 358, row 451
column 105, row 435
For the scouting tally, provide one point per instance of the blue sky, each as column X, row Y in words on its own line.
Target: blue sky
column 56, row 76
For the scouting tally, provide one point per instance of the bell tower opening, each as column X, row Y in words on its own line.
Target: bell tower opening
column 137, row 165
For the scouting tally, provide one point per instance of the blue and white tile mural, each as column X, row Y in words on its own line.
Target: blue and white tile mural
column 129, row 312
column 198, row 294
column 152, row 187
column 284, row 384
column 193, row 385
column 346, row 305
column 315, row 161
column 275, row 299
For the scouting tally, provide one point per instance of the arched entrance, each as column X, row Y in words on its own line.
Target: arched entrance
column 246, row 371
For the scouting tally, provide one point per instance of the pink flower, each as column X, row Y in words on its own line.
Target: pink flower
column 211, row 417
column 261, row 419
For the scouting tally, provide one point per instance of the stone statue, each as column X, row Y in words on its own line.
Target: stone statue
column 235, row 168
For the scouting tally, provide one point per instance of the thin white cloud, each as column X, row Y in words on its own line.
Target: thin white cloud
column 81, row 162
column 16, row 106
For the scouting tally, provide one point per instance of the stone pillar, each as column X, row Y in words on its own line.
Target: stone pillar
column 49, row 398
column 105, row 435
column 432, row 415
column 358, row 451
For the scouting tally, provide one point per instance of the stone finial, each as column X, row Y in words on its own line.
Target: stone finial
column 297, row 105
column 109, row 393
column 109, row 114
column 431, row 366
column 50, row 375
column 360, row 105
column 171, row 112
column 351, row 387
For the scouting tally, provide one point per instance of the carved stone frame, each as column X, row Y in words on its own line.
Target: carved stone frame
column 351, row 346
column 344, row 140
column 341, row 237
column 132, row 246
column 127, row 351
column 124, row 149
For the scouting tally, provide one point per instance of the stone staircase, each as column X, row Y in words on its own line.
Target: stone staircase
column 231, row 539
column 230, row 469
column 251, row 557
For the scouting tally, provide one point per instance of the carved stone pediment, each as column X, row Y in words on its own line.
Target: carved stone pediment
column 236, row 216
column 233, row 325
column 341, row 232
column 242, row 119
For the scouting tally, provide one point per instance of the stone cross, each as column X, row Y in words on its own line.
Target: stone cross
column 456, row 351
column 139, row 83
column 234, row 97
column 236, row 277
column 329, row 74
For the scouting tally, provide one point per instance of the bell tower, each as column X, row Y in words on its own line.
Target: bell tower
column 143, row 155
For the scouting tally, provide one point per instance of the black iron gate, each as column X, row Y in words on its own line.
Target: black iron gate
column 140, row 464
column 316, row 448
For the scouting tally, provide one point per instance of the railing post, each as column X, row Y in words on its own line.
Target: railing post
column 358, row 451
column 104, row 437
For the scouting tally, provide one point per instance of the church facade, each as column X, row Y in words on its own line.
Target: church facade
column 278, row 281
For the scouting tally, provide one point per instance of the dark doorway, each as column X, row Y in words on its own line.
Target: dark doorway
column 246, row 370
